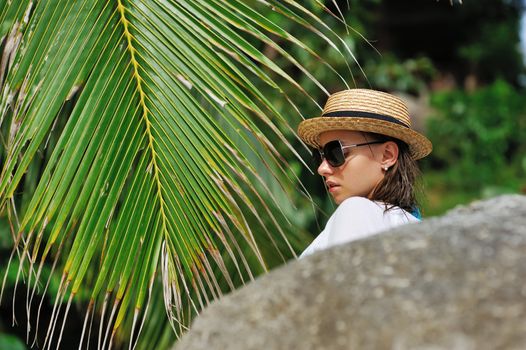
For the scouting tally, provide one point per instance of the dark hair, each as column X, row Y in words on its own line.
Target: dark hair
column 399, row 185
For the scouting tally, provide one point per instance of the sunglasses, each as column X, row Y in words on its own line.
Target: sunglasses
column 334, row 152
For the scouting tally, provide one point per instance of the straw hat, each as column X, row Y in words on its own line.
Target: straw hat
column 368, row 111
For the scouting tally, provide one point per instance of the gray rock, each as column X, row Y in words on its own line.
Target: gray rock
column 454, row 282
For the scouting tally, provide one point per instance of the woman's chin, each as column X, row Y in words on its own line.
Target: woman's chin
column 338, row 199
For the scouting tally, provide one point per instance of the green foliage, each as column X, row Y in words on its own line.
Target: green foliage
column 480, row 137
column 145, row 160
column 411, row 75
column 9, row 342
column 495, row 54
column 475, row 38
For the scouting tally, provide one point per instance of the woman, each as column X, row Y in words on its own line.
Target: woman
column 367, row 152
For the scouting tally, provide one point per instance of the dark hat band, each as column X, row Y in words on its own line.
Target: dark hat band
column 361, row 114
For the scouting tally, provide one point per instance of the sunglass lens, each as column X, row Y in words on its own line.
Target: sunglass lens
column 334, row 153
column 316, row 159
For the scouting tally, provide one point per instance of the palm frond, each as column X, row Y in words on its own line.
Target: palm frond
column 151, row 149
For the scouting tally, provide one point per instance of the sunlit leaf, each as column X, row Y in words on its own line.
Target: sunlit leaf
column 147, row 154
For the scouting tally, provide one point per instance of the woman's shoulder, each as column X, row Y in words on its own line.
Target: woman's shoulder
column 357, row 209
column 356, row 217
column 360, row 204
column 364, row 207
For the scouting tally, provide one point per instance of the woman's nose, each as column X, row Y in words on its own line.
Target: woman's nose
column 324, row 169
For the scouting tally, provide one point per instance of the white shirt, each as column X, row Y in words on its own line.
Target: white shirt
column 355, row 218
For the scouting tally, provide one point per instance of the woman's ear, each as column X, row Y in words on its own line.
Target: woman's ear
column 389, row 154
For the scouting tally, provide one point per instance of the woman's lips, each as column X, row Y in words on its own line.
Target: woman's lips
column 332, row 186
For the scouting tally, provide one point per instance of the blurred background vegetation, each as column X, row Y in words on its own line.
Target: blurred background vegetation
column 460, row 68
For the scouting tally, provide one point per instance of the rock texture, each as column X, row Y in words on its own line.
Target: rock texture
column 454, row 282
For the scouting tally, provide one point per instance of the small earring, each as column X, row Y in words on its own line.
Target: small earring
column 386, row 168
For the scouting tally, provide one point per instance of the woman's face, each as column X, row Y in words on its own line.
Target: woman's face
column 362, row 170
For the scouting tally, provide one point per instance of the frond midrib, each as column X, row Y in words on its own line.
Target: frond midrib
column 145, row 110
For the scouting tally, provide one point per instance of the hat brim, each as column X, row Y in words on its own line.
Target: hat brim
column 309, row 131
